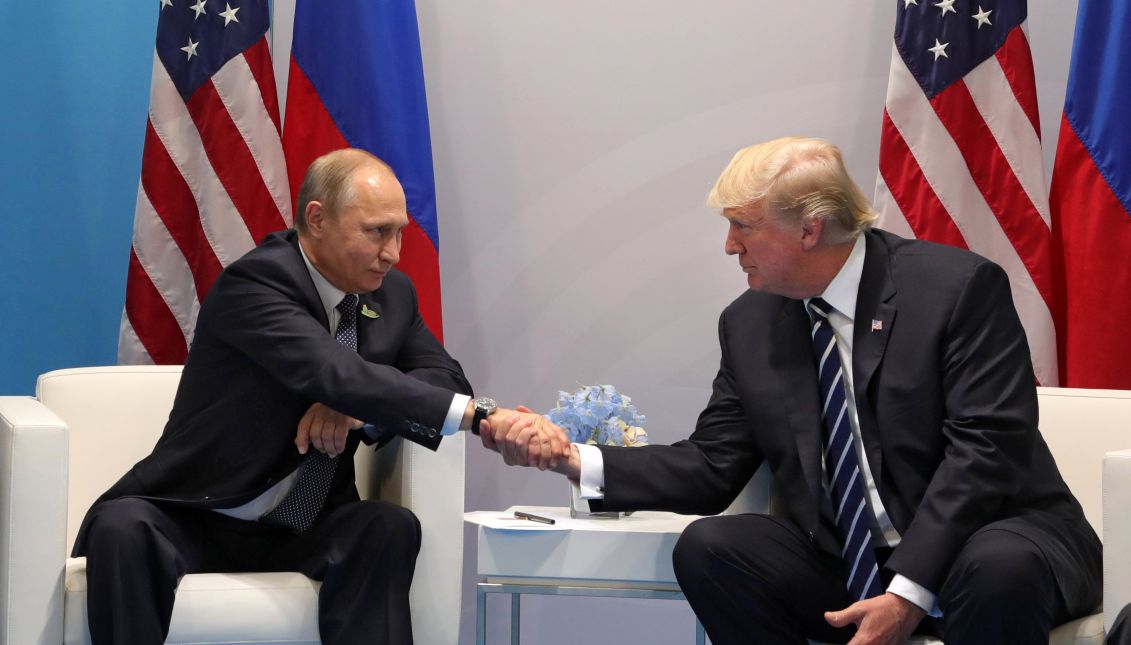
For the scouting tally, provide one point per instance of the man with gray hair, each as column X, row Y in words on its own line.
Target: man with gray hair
column 312, row 339
column 888, row 386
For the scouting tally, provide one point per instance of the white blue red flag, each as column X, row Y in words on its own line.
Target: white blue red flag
column 213, row 180
column 1091, row 200
column 356, row 80
column 960, row 149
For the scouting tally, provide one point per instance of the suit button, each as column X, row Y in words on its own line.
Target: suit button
column 812, row 538
column 432, row 433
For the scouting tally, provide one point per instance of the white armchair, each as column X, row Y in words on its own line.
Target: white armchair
column 1082, row 429
column 86, row 427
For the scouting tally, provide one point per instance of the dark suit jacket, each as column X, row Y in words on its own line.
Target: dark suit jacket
column 260, row 356
column 945, row 396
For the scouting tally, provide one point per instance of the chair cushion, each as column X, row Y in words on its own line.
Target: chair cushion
column 1088, row 630
column 277, row 608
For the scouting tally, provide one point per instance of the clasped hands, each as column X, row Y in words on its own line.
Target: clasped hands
column 521, row 436
column 526, row 438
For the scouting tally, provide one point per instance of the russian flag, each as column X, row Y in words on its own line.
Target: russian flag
column 1091, row 201
column 356, row 80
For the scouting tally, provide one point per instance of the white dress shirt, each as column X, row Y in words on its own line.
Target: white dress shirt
column 270, row 498
column 841, row 295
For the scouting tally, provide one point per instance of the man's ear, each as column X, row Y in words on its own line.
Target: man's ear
column 811, row 231
column 315, row 217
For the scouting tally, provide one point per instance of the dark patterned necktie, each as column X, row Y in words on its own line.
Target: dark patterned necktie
column 304, row 501
column 854, row 520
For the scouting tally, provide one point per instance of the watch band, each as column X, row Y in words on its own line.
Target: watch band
column 478, row 416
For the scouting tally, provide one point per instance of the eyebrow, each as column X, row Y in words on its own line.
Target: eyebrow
column 746, row 221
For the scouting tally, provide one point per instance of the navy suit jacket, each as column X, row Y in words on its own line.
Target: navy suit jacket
column 260, row 356
column 946, row 399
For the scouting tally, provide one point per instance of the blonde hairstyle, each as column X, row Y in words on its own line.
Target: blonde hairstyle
column 799, row 179
column 327, row 181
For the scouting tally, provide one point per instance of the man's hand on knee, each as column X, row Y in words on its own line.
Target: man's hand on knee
column 884, row 620
column 326, row 429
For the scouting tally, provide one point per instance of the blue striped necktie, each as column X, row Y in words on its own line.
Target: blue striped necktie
column 854, row 519
column 305, row 499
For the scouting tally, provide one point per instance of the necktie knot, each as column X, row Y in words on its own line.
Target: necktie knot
column 819, row 309
column 348, row 304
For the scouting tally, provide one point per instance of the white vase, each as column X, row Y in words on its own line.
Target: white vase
column 579, row 508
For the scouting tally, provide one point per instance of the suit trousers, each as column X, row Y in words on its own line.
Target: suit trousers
column 1120, row 633
column 363, row 552
column 759, row 579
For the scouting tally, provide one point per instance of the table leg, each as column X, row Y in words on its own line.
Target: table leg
column 516, row 601
column 480, row 615
column 700, row 634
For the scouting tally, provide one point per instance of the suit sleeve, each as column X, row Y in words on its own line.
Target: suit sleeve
column 423, row 357
column 990, row 428
column 699, row 475
column 260, row 317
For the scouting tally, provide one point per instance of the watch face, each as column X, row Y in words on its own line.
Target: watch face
column 486, row 405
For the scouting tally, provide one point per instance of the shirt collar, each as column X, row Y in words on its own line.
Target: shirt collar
column 327, row 293
column 842, row 291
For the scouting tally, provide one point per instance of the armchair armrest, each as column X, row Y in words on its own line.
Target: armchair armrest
column 33, row 521
column 1117, row 533
column 431, row 485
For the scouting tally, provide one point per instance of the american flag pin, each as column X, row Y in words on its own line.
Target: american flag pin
column 877, row 325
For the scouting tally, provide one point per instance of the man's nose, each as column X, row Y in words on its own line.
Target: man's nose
column 391, row 253
column 731, row 246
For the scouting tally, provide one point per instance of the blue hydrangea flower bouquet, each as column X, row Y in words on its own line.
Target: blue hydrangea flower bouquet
column 597, row 414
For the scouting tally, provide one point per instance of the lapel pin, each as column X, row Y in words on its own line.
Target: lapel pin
column 369, row 313
column 877, row 325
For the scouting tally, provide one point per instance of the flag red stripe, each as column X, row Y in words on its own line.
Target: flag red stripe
column 1004, row 194
column 1017, row 63
column 149, row 315
column 421, row 262
column 1092, row 232
column 310, row 137
column 233, row 163
column 920, row 205
column 174, row 203
column 258, row 58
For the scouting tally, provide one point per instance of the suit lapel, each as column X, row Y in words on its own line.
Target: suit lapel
column 792, row 359
column 308, row 293
column 875, row 318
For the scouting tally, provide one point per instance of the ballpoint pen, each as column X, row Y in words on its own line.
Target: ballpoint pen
column 521, row 515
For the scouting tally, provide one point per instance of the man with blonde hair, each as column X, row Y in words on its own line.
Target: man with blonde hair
column 888, row 386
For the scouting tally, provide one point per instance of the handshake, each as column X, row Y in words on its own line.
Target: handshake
column 526, row 438
column 521, row 436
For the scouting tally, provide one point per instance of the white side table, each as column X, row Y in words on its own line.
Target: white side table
column 628, row 557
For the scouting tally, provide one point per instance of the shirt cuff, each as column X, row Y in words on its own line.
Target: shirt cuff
column 455, row 414
column 916, row 594
column 592, row 471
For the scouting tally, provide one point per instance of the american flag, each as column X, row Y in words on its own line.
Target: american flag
column 213, row 178
column 960, row 149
